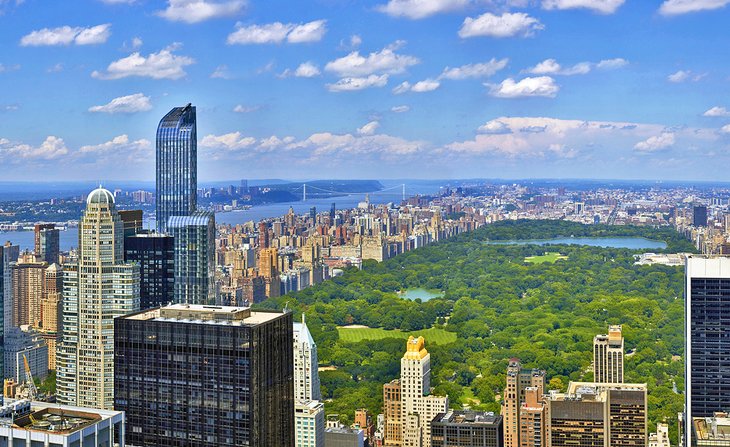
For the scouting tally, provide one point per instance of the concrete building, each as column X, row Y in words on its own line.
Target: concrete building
column 96, row 290
column 598, row 415
column 661, row 437
column 707, row 338
column 306, row 366
column 344, row 437
column 518, row 381
column 393, row 431
column 466, row 429
column 309, row 424
column 42, row 424
column 24, row 340
column 532, row 419
column 712, row 431
column 608, row 356
column 28, row 278
column 223, row 376
column 51, row 311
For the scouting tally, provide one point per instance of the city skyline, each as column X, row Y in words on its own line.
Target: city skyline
column 437, row 88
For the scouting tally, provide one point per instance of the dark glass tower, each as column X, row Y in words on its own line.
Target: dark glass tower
column 205, row 376
column 47, row 242
column 194, row 257
column 177, row 165
column 707, row 340
column 155, row 255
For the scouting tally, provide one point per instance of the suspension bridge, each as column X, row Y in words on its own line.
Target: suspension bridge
column 312, row 191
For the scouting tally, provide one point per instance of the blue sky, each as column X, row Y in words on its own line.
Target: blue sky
column 368, row 89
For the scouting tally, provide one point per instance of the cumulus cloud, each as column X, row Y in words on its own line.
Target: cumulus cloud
column 552, row 67
column 278, row 32
column 717, row 111
column 599, row 6
column 352, row 84
column 231, row 141
column 610, row 64
column 656, row 143
column 194, row 11
column 240, row 108
column 538, row 86
column 494, row 127
column 50, row 149
column 67, row 35
column 427, row 85
column 419, row 9
column 385, row 61
column 137, row 102
column 679, row 76
column 164, row 64
column 725, row 129
column 506, row 25
column 480, row 70
column 369, row 128
column 304, row 70
column 221, row 72
column 400, row 109
column 676, row 7
column 120, row 145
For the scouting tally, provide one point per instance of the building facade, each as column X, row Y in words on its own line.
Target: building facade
column 309, row 424
column 466, row 429
column 96, row 290
column 155, row 254
column 47, row 246
column 608, row 356
column 223, row 376
column 306, row 366
column 176, row 179
column 393, row 431
column 194, row 247
column 519, row 379
column 28, row 279
column 8, row 253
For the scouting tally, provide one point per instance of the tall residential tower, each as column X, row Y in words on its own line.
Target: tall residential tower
column 608, row 356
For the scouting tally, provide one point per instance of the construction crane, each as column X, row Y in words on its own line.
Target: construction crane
column 29, row 383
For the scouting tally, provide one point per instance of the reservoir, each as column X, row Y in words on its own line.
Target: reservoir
column 633, row 243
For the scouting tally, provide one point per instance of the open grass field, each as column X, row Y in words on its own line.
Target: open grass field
column 547, row 257
column 433, row 335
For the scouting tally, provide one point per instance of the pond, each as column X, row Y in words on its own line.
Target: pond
column 633, row 243
column 423, row 294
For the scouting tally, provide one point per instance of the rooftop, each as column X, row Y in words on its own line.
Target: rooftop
column 468, row 417
column 715, row 428
column 54, row 418
column 200, row 314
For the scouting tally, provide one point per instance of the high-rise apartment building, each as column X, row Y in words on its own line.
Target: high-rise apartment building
column 418, row 406
column 466, row 429
column 306, row 372
column 222, row 376
column 309, row 423
column 28, row 278
column 96, row 290
column 707, row 341
column 51, row 311
column 393, row 433
column 608, row 356
column 194, row 246
column 598, row 415
column 47, row 246
column 155, row 254
column 518, row 381
column 8, row 253
column 176, row 177
column 532, row 419
column 269, row 270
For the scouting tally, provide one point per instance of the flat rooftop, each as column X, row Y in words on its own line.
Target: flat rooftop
column 200, row 314
column 716, row 429
column 468, row 418
column 59, row 419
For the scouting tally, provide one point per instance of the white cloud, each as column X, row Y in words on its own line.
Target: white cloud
column 679, row 76
column 52, row 148
column 307, row 70
column 675, row 7
column 551, row 66
column 506, row 25
column 369, row 128
column 481, row 70
column 494, row 127
column 9, row 107
column 384, row 61
column 67, row 35
column 539, row 86
column 611, row 64
column 162, row 65
column 230, row 141
column 427, row 85
column 717, row 111
column 725, row 129
column 400, row 109
column 656, row 143
column 599, row 6
column 278, row 32
column 55, row 68
column 194, row 11
column 403, row 87
column 125, row 104
column 136, row 43
column 355, row 41
column 120, row 145
column 240, row 108
column 352, row 84
column 419, row 9
column 221, row 72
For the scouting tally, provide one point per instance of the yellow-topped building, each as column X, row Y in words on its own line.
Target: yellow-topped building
column 415, row 348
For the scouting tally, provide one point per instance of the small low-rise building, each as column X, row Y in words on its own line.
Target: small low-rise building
column 467, row 429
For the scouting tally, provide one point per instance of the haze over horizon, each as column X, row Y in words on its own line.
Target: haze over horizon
column 510, row 89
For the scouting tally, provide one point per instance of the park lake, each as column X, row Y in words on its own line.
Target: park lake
column 633, row 243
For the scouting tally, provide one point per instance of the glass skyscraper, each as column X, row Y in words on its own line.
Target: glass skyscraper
column 194, row 243
column 177, row 165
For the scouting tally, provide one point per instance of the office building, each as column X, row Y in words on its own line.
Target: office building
column 24, row 340
column 8, row 253
column 418, row 406
column 699, row 216
column 466, row 429
column 132, row 222
column 306, row 366
column 707, row 341
column 309, row 423
column 194, row 264
column 344, row 437
column 223, row 376
column 598, row 415
column 710, row 432
column 176, row 180
column 155, row 254
column 393, row 431
column 608, row 356
column 28, row 278
column 96, row 290
column 43, row 424
column 47, row 246
column 519, row 379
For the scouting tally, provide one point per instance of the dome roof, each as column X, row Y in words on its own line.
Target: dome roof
column 100, row 196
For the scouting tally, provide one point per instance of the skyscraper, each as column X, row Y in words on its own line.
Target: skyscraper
column 177, row 165
column 155, row 254
column 707, row 340
column 194, row 242
column 608, row 356
column 222, row 376
column 699, row 216
column 306, row 375
column 28, row 284
column 99, row 288
column 466, row 429
column 8, row 253
column 518, row 381
column 47, row 242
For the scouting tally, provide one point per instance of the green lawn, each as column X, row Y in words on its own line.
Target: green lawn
column 434, row 335
column 547, row 257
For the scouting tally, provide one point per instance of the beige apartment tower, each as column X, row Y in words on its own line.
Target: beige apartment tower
column 608, row 356
column 519, row 380
column 392, row 412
